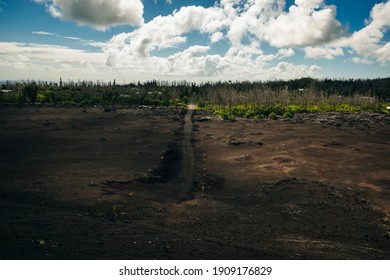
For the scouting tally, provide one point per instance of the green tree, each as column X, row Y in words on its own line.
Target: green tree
column 30, row 92
column 165, row 96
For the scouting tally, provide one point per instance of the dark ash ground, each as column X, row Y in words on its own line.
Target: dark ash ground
column 88, row 183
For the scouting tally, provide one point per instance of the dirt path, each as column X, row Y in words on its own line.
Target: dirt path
column 171, row 181
column 185, row 178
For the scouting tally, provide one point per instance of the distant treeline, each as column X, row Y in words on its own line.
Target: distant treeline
column 369, row 87
column 230, row 99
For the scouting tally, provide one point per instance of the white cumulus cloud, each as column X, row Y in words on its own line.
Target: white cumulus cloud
column 169, row 31
column 215, row 37
column 251, row 18
column 100, row 14
column 285, row 53
column 368, row 42
column 383, row 54
column 360, row 60
column 323, row 52
column 307, row 23
column 242, row 23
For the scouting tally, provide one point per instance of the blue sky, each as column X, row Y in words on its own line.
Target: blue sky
column 193, row 40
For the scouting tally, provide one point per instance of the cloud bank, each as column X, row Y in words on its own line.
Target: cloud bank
column 41, row 61
column 262, row 39
column 367, row 42
column 245, row 25
column 307, row 23
column 100, row 14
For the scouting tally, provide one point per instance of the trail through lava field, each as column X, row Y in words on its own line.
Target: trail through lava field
column 158, row 183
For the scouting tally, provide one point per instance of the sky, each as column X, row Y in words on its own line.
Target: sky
column 199, row 41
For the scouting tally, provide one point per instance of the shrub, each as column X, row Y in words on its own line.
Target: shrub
column 226, row 117
column 152, row 102
column 30, row 92
column 272, row 116
column 201, row 104
column 287, row 115
column 313, row 109
column 186, row 100
column 239, row 111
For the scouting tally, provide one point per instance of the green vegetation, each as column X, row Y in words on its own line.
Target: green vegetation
column 90, row 94
column 279, row 111
column 267, row 101
column 276, row 99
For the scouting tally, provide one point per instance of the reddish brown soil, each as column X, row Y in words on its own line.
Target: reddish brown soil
column 88, row 183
